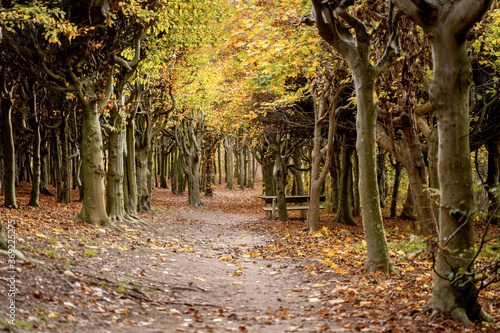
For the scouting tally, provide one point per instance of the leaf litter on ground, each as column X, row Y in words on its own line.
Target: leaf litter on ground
column 152, row 275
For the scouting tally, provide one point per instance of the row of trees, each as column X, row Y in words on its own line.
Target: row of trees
column 107, row 95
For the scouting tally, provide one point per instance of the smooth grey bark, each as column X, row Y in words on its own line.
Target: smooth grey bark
column 356, row 51
column 447, row 23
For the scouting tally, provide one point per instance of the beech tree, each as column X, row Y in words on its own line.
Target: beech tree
column 355, row 49
column 447, row 23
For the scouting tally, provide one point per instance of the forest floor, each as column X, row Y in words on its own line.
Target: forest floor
column 221, row 268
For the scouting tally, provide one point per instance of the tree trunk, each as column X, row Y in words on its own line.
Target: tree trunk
column 447, row 24
column 115, row 203
column 376, row 243
column 280, row 175
column 398, row 167
column 174, row 170
column 297, row 177
column 323, row 108
column 130, row 181
column 10, row 154
column 93, row 208
column 228, row 147
column 268, row 180
column 334, row 178
column 356, row 206
column 143, row 180
column 450, row 97
column 493, row 178
column 219, row 162
column 163, row 166
column 417, row 178
column 64, row 196
column 37, row 139
column 193, row 180
column 408, row 211
column 344, row 213
column 381, row 177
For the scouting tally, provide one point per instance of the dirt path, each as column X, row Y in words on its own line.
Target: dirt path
column 189, row 270
column 222, row 268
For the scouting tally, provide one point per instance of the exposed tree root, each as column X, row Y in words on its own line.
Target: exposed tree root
column 21, row 256
column 485, row 317
column 461, row 315
column 126, row 218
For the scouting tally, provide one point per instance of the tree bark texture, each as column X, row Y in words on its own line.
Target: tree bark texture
column 446, row 23
column 356, row 51
column 93, row 208
column 344, row 212
column 9, row 151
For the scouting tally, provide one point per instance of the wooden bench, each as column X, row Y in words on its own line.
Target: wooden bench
column 271, row 201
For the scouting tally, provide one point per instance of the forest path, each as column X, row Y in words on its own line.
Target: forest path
column 188, row 270
column 220, row 268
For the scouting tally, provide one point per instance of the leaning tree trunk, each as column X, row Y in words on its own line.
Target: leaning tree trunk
column 9, row 152
column 93, row 208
